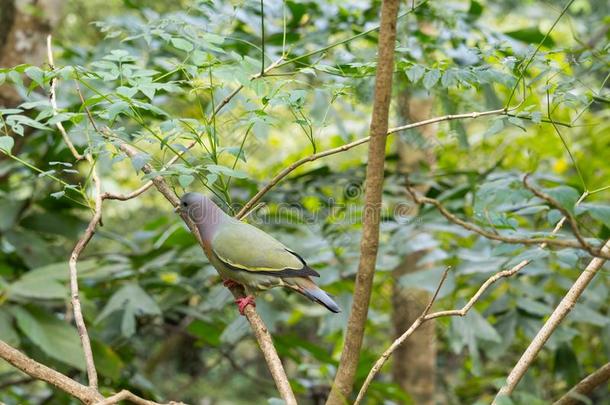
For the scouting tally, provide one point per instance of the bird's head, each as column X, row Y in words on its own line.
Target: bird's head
column 193, row 204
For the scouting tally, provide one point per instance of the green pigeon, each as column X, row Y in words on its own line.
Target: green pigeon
column 248, row 256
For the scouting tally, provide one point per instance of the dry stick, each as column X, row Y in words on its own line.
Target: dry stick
column 563, row 309
column 455, row 312
column 125, row 395
column 586, row 386
column 82, row 242
column 567, row 215
column 369, row 243
column 41, row 372
column 85, row 394
column 74, row 294
column 59, row 125
column 261, row 332
column 577, row 244
column 124, row 197
column 424, row 317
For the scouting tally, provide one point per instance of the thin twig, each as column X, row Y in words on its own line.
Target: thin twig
column 425, row 316
column 586, row 386
column 287, row 170
column 563, row 243
column 124, row 197
column 82, row 242
column 53, row 100
column 74, row 291
column 565, row 212
column 561, row 311
column 125, row 395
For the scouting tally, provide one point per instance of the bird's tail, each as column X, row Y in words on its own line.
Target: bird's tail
column 308, row 288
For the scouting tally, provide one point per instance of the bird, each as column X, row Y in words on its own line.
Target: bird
column 244, row 254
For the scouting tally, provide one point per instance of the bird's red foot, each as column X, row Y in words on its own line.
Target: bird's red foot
column 230, row 283
column 243, row 302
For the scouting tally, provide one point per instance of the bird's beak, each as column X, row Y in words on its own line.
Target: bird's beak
column 177, row 209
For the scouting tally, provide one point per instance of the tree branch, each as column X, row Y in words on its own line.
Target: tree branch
column 74, row 293
column 53, row 99
column 287, row 170
column 586, row 386
column 84, row 240
column 563, row 243
column 425, row 316
column 563, row 309
column 39, row 371
column 87, row 395
column 369, row 243
column 567, row 215
column 125, row 395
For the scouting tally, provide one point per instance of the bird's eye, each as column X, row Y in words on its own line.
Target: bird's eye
column 184, row 204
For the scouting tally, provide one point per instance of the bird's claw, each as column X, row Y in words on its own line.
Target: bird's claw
column 230, row 283
column 243, row 302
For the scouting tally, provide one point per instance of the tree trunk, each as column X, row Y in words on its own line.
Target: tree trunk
column 24, row 26
column 414, row 363
column 346, row 373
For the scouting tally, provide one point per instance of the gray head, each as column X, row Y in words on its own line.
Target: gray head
column 200, row 209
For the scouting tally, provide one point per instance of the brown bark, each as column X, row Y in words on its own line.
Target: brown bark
column 24, row 26
column 586, row 386
column 414, row 365
column 41, row 372
column 344, row 379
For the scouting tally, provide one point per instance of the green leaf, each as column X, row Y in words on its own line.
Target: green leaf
column 37, row 289
column 496, row 126
column 185, row 180
column 139, row 160
column 7, row 332
column 475, row 10
column 133, row 301
column 531, row 35
column 127, row 92
column 431, row 77
column 6, row 143
column 217, row 169
column 415, row 73
column 565, row 196
column 534, row 307
column 235, row 331
column 54, row 337
column 107, row 361
column 36, row 74
column 116, row 109
column 481, row 328
column 598, row 212
column 182, row 44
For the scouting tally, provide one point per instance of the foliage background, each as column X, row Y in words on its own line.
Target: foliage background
column 152, row 72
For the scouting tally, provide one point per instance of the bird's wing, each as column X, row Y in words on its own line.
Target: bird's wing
column 243, row 247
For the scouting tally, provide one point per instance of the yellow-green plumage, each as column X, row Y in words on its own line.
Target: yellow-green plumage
column 248, row 255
